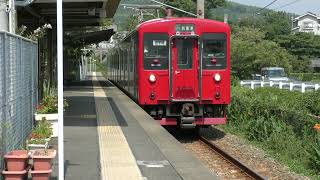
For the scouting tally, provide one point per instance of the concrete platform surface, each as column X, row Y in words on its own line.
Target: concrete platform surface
column 109, row 137
column 157, row 153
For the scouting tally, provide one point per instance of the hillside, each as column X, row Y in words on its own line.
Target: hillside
column 237, row 12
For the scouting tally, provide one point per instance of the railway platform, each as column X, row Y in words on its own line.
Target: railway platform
column 108, row 136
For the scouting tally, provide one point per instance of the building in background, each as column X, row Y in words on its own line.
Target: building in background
column 308, row 22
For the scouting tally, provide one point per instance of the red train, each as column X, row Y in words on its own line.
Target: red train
column 177, row 69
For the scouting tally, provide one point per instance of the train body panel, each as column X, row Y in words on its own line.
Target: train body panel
column 177, row 69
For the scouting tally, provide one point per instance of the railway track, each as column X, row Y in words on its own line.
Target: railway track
column 216, row 159
column 246, row 171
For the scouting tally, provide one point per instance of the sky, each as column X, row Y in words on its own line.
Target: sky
column 297, row 6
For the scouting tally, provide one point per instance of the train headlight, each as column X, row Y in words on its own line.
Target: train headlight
column 152, row 78
column 217, row 77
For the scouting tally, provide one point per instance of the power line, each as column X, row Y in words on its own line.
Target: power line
column 266, row 6
column 286, row 5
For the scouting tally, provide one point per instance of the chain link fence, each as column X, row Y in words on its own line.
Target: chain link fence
column 18, row 90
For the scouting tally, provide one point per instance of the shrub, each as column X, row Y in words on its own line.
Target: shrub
column 42, row 130
column 280, row 121
column 313, row 77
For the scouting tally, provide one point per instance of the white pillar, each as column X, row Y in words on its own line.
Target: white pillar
column 12, row 17
column 60, row 88
column 3, row 16
column 316, row 87
column 262, row 83
column 271, row 83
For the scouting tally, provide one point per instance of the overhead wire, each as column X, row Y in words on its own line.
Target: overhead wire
column 274, row 1
column 288, row 4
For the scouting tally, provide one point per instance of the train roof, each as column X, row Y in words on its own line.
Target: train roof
column 181, row 20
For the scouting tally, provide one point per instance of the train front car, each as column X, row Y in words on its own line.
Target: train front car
column 184, row 75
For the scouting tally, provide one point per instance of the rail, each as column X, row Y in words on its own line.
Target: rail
column 300, row 86
column 232, row 160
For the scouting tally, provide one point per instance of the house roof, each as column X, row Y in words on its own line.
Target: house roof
column 306, row 14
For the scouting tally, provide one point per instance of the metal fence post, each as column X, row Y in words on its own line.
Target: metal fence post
column 4, row 132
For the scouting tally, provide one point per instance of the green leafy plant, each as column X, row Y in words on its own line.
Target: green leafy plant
column 42, row 130
column 49, row 103
column 279, row 121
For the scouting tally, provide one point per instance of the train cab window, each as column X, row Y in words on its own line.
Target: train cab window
column 184, row 51
column 155, row 51
column 214, row 51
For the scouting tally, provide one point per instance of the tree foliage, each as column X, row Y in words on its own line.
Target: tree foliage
column 191, row 6
column 250, row 52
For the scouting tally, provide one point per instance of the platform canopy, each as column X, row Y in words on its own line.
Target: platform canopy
column 76, row 13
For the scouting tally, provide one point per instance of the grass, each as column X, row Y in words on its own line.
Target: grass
column 278, row 121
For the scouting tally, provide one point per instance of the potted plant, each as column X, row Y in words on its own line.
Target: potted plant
column 41, row 175
column 42, row 159
column 48, row 107
column 15, row 175
column 40, row 135
column 16, row 160
column 16, row 165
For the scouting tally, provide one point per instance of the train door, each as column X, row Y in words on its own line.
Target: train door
column 184, row 69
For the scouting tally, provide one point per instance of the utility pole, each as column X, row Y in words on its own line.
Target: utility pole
column 200, row 9
column 3, row 15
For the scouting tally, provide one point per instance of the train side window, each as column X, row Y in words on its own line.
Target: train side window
column 155, row 51
column 214, row 51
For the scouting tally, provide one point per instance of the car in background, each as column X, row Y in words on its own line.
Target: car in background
column 274, row 74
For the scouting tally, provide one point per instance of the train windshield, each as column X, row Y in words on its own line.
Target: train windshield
column 214, row 51
column 155, row 51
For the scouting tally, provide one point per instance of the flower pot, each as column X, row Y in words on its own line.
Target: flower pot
column 52, row 118
column 38, row 146
column 41, row 175
column 34, row 146
column 42, row 158
column 15, row 175
column 16, row 160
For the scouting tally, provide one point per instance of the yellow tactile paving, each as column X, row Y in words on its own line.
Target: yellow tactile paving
column 116, row 159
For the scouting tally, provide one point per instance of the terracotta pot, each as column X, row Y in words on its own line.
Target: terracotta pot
column 41, row 175
column 42, row 158
column 15, row 175
column 16, row 160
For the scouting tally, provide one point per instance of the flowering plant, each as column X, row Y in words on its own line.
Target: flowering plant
column 35, row 34
column 49, row 103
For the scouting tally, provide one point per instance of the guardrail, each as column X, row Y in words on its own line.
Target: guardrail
column 299, row 86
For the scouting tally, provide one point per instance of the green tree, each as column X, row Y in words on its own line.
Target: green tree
column 191, row 6
column 250, row 52
column 276, row 24
column 301, row 44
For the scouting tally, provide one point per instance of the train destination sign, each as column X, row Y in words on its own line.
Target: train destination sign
column 184, row 27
